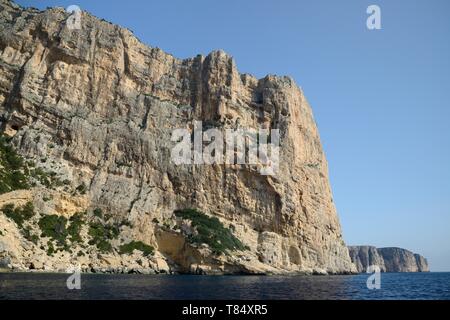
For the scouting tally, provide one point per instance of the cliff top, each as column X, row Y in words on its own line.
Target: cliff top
column 217, row 53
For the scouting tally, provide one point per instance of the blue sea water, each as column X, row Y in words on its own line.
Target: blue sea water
column 434, row 285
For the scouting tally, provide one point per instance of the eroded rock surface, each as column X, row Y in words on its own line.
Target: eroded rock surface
column 387, row 259
column 96, row 107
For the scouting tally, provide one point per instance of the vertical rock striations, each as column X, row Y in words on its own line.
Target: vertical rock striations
column 387, row 259
column 96, row 108
column 364, row 256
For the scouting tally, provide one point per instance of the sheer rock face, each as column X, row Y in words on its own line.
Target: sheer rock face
column 364, row 256
column 387, row 259
column 107, row 104
column 422, row 263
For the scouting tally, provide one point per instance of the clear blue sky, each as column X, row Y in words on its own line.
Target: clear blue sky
column 381, row 98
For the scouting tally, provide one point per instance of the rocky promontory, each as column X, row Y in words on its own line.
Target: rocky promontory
column 86, row 177
column 389, row 259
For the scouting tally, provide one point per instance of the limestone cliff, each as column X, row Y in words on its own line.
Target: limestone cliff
column 92, row 111
column 387, row 259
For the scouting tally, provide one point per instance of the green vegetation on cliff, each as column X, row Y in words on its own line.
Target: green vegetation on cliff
column 12, row 168
column 74, row 229
column 59, row 229
column 18, row 174
column 101, row 234
column 136, row 245
column 54, row 227
column 65, row 234
column 210, row 231
column 20, row 214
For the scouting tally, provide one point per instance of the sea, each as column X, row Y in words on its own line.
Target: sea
column 391, row 286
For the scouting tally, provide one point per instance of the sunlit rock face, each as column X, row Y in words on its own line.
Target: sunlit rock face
column 387, row 259
column 98, row 107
